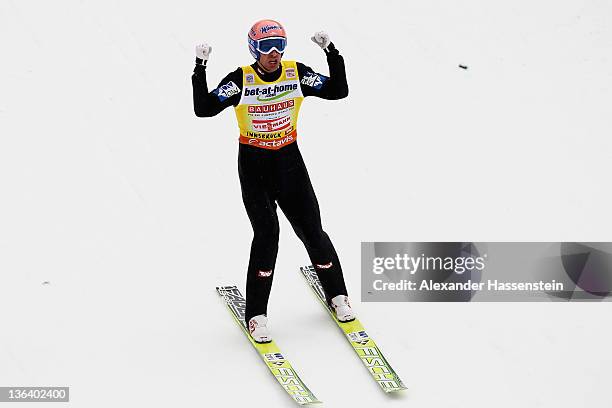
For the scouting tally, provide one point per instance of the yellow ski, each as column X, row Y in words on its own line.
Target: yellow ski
column 364, row 346
column 269, row 352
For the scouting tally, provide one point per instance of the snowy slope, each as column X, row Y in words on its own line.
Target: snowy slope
column 129, row 207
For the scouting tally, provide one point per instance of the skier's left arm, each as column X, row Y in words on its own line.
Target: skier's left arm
column 333, row 86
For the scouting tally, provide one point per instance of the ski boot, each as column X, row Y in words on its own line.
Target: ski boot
column 341, row 306
column 258, row 330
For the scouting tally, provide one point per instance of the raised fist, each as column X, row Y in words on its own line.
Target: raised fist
column 203, row 51
column 321, row 38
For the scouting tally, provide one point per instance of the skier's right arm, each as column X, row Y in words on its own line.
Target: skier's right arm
column 207, row 104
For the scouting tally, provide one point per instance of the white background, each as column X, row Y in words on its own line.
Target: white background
column 129, row 206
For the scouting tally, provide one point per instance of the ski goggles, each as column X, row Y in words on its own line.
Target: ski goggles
column 267, row 45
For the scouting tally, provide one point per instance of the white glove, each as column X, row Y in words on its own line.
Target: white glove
column 321, row 38
column 203, row 51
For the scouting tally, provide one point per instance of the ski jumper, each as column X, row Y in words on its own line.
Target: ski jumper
column 271, row 169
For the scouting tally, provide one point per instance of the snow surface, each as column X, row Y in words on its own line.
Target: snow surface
column 120, row 211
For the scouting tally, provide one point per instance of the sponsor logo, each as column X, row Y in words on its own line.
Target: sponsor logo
column 268, row 136
column 273, row 97
column 250, row 78
column 267, row 28
column 234, row 300
column 270, row 93
column 274, row 107
column 275, row 358
column 290, row 72
column 372, row 358
column 273, row 144
column 313, row 80
column 226, row 90
column 360, row 337
column 264, row 274
column 293, row 385
column 272, row 125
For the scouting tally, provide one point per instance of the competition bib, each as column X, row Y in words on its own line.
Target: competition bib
column 268, row 111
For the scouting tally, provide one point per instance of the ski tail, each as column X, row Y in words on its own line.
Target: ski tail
column 280, row 367
column 362, row 343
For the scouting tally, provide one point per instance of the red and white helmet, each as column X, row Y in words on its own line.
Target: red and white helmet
column 266, row 36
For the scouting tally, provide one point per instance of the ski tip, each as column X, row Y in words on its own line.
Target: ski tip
column 396, row 389
column 311, row 402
